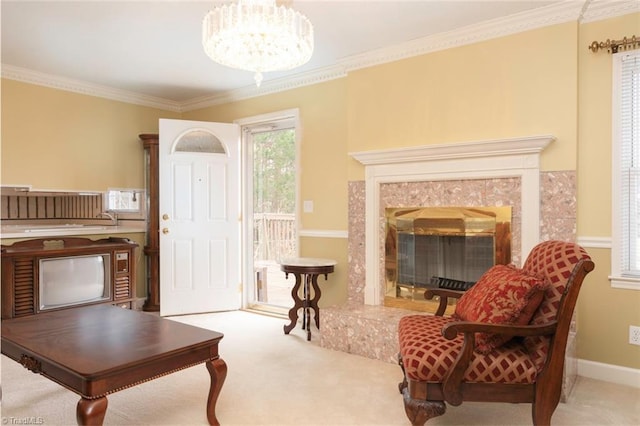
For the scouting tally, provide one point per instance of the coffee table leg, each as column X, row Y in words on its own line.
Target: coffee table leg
column 218, row 372
column 91, row 411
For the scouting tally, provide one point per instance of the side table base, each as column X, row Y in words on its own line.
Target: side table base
column 306, row 272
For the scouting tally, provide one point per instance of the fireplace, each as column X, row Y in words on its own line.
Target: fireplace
column 484, row 173
column 445, row 247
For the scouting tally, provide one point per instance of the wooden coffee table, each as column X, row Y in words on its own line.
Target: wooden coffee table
column 101, row 349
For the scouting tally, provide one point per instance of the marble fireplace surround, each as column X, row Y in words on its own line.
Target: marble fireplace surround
column 495, row 172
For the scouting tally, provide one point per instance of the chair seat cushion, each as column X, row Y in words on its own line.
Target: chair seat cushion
column 428, row 356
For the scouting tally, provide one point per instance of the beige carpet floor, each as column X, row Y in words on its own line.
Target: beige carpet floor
column 275, row 379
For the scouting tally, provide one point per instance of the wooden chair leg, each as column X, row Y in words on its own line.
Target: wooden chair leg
column 546, row 399
column 402, row 385
column 418, row 412
column 541, row 414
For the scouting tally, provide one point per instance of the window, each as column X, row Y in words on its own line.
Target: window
column 199, row 141
column 625, row 253
column 128, row 203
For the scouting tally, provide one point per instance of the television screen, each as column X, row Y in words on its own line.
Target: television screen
column 72, row 280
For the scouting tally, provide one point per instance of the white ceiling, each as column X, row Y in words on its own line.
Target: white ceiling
column 153, row 48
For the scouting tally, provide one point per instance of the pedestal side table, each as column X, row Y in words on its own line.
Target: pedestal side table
column 306, row 271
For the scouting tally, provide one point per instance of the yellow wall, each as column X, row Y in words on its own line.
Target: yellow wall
column 323, row 145
column 334, row 288
column 522, row 85
column 604, row 313
column 53, row 139
column 543, row 81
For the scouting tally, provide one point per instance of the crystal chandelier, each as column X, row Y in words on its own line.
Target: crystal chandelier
column 257, row 36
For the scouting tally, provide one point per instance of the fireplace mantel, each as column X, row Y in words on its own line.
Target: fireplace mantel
column 514, row 157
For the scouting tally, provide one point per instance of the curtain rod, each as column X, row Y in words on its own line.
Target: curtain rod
column 612, row 46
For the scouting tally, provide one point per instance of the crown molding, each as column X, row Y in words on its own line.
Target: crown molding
column 267, row 87
column 598, row 10
column 84, row 88
column 566, row 11
column 520, row 22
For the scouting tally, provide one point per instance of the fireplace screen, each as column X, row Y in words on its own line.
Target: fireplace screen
column 446, row 247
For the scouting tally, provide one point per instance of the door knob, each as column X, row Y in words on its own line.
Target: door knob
column 165, row 217
column 165, row 230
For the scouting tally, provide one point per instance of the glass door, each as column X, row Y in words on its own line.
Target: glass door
column 271, row 164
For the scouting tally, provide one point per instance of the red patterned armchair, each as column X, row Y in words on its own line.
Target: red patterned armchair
column 505, row 342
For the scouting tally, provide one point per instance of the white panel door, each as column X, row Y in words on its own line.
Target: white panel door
column 199, row 217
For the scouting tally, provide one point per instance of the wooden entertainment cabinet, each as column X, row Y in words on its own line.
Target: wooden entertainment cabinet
column 20, row 271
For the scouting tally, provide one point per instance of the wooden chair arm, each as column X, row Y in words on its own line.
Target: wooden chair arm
column 452, row 383
column 451, row 330
column 444, row 295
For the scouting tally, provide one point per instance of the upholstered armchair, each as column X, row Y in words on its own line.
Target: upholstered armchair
column 505, row 341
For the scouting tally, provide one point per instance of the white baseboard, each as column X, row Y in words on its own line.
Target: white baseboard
column 609, row 373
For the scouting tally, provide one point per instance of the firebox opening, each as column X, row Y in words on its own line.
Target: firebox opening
column 446, row 247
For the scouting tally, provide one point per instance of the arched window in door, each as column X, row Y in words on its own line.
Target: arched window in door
column 199, row 141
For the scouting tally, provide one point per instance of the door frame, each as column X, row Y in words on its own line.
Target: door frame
column 246, row 183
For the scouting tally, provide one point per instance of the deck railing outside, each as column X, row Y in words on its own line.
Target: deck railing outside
column 274, row 236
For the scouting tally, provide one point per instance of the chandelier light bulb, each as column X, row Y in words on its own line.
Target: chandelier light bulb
column 257, row 36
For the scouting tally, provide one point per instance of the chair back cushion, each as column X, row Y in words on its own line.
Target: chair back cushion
column 553, row 261
column 503, row 295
